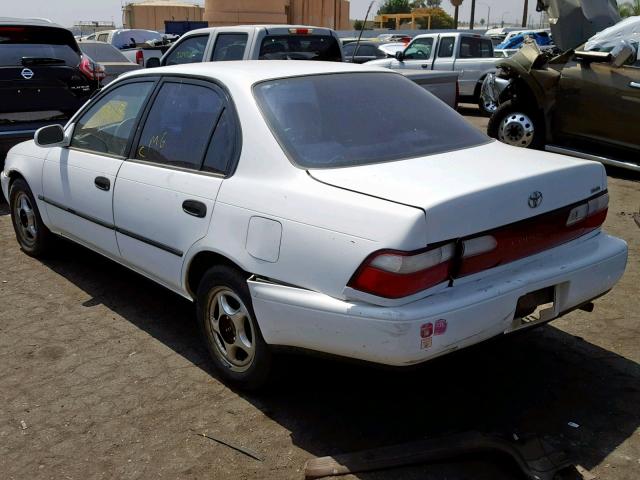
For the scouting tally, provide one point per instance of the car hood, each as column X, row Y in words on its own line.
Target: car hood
column 574, row 21
column 476, row 189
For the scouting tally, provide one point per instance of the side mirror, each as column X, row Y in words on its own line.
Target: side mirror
column 621, row 54
column 50, row 136
column 399, row 56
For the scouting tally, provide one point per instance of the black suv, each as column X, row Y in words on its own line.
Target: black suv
column 44, row 78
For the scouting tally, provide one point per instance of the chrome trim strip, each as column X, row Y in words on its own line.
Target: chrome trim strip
column 97, row 221
column 607, row 161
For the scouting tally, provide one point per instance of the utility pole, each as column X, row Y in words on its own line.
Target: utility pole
column 525, row 13
column 473, row 14
column 456, row 4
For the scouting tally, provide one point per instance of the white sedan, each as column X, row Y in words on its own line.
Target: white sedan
column 298, row 204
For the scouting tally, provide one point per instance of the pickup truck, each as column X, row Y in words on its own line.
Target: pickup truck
column 255, row 42
column 144, row 47
column 284, row 42
column 469, row 54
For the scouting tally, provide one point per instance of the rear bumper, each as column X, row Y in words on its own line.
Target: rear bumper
column 474, row 311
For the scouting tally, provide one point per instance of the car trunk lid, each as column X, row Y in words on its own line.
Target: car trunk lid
column 469, row 191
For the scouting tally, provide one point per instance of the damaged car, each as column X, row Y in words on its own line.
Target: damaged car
column 582, row 102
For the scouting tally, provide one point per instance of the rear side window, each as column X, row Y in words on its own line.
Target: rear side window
column 300, row 47
column 102, row 52
column 229, row 46
column 179, row 125
column 325, row 121
column 190, row 50
column 107, row 126
column 473, row 47
column 103, row 37
column 22, row 45
column 446, row 47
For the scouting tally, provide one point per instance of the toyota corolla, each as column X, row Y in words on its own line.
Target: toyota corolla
column 299, row 204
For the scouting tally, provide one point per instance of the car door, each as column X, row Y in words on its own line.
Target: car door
column 598, row 102
column 165, row 192
column 419, row 54
column 445, row 54
column 475, row 57
column 78, row 180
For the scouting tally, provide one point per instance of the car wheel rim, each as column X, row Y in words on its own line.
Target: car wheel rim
column 489, row 107
column 231, row 331
column 516, row 129
column 25, row 219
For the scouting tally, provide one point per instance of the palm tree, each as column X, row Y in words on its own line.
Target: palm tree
column 630, row 9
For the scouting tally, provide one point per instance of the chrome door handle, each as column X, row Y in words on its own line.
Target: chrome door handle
column 634, row 84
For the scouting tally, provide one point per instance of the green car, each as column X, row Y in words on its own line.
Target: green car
column 584, row 102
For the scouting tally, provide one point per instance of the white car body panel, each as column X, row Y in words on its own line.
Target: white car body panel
column 471, row 71
column 302, row 234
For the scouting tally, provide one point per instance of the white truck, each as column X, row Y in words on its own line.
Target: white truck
column 144, row 47
column 469, row 54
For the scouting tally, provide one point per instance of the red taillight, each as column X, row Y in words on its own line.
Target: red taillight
column 140, row 58
column 531, row 236
column 91, row 69
column 395, row 274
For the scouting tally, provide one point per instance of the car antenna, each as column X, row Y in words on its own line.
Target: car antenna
column 364, row 24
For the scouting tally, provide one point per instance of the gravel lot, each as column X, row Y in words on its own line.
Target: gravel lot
column 102, row 376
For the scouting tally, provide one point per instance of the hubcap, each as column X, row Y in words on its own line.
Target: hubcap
column 231, row 330
column 489, row 106
column 25, row 218
column 516, row 129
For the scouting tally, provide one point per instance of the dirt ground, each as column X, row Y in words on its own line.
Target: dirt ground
column 102, row 376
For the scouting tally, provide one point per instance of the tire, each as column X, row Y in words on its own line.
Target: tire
column 230, row 330
column 517, row 124
column 33, row 236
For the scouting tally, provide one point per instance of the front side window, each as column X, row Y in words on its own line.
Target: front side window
column 108, row 125
column 446, row 47
column 327, row 121
column 229, row 46
column 190, row 50
column 179, row 125
column 300, row 47
column 420, row 49
column 474, row 47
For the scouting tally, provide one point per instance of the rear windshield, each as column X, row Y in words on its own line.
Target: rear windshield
column 350, row 119
column 24, row 42
column 300, row 47
column 132, row 38
column 102, row 52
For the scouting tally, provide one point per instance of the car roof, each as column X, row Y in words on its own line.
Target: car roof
column 29, row 22
column 248, row 72
column 256, row 27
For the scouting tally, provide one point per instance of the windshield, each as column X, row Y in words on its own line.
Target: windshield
column 102, row 52
column 300, row 47
column 350, row 119
column 27, row 42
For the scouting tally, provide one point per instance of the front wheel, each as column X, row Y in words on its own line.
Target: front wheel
column 517, row 125
column 230, row 329
column 33, row 236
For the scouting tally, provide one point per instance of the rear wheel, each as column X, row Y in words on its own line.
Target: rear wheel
column 230, row 330
column 517, row 125
column 34, row 237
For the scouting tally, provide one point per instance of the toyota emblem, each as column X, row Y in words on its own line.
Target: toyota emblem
column 535, row 199
column 27, row 73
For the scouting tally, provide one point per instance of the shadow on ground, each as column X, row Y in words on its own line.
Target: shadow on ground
column 531, row 383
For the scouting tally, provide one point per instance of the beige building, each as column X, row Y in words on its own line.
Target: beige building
column 323, row 13
column 151, row 14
